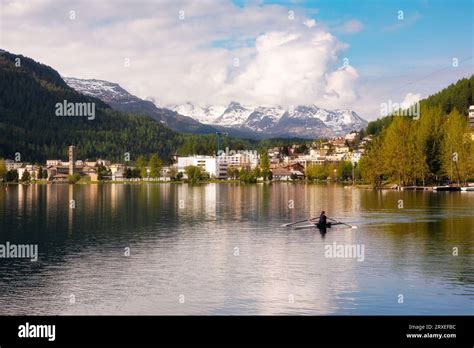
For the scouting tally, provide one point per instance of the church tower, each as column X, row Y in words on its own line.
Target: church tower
column 72, row 159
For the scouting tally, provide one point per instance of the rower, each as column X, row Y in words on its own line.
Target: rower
column 322, row 219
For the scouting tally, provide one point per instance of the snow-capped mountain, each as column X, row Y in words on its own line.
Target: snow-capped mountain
column 307, row 121
column 302, row 120
column 104, row 90
column 234, row 115
column 121, row 100
column 204, row 114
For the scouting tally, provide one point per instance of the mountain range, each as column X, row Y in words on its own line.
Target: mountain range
column 121, row 100
column 302, row 120
column 307, row 121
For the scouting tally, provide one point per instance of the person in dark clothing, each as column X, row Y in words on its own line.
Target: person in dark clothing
column 322, row 219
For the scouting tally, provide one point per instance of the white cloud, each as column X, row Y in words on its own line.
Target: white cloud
column 351, row 27
column 309, row 23
column 280, row 61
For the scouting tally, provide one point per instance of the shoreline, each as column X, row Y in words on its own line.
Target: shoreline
column 346, row 184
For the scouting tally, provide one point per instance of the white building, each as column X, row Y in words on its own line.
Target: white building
column 117, row 167
column 306, row 160
column 207, row 163
column 239, row 159
column 342, row 149
column 31, row 169
column 12, row 165
column 217, row 167
column 55, row 162
column 351, row 136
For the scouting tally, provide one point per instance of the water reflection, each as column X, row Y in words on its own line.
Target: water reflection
column 220, row 249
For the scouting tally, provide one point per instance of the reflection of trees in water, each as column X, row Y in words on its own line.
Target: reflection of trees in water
column 424, row 233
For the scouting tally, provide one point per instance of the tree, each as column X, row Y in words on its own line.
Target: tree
column 40, row 173
column 102, row 172
column 173, row 172
column 25, row 177
column 396, row 150
column 232, row 173
column 430, row 139
column 72, row 179
column 257, row 173
column 247, row 176
column 344, row 170
column 318, row 171
column 3, row 169
column 194, row 173
column 457, row 148
column 155, row 166
column 12, row 176
column 265, row 166
column 141, row 166
column 371, row 165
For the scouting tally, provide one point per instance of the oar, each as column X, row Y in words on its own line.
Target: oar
column 297, row 222
column 342, row 223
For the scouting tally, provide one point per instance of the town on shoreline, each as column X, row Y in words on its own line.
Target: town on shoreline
column 334, row 159
column 368, row 160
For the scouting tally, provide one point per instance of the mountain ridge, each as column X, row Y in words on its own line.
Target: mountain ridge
column 121, row 100
column 309, row 121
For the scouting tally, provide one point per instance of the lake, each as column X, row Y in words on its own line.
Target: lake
column 220, row 249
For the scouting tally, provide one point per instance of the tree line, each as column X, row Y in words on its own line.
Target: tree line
column 435, row 148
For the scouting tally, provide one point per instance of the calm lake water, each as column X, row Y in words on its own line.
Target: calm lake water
column 220, row 249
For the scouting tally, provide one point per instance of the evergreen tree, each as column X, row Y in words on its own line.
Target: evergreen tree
column 265, row 166
column 25, row 177
column 155, row 166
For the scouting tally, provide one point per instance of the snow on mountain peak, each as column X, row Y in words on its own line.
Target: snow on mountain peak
column 266, row 118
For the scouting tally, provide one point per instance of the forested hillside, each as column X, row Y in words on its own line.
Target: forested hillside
column 457, row 96
column 436, row 148
column 29, row 126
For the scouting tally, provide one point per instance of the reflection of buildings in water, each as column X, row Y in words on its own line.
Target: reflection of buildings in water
column 210, row 200
column 233, row 193
column 182, row 197
column 355, row 200
column 71, row 208
column 114, row 198
column 89, row 198
column 194, row 201
column 21, row 198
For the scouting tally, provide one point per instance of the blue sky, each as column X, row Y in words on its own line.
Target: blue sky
column 423, row 44
column 432, row 32
column 250, row 51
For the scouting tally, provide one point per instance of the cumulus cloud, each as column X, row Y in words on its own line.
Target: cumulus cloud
column 206, row 52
